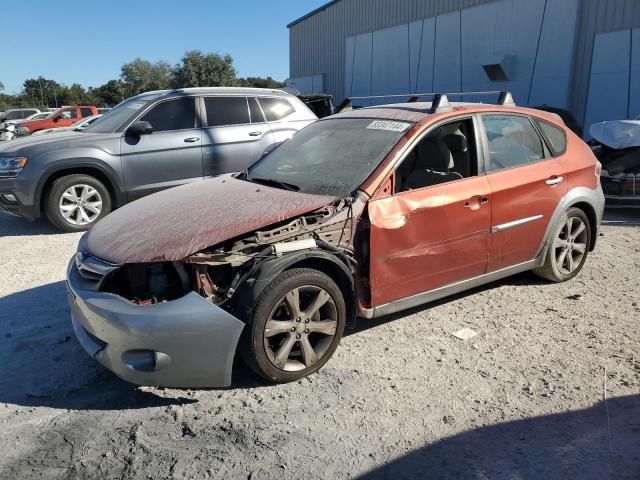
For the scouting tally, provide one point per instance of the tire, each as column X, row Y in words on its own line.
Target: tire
column 568, row 248
column 263, row 349
column 81, row 213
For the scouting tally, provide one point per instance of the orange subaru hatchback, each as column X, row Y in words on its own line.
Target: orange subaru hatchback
column 360, row 214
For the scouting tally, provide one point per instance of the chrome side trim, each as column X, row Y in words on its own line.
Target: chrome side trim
column 445, row 291
column 515, row 223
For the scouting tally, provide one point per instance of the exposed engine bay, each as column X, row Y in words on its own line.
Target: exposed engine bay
column 217, row 273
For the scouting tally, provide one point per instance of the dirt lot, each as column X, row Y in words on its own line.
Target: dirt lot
column 550, row 388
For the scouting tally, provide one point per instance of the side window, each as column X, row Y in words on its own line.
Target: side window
column 513, row 141
column 179, row 114
column 555, row 136
column 86, row 112
column 226, row 111
column 256, row 113
column 69, row 114
column 446, row 154
column 275, row 108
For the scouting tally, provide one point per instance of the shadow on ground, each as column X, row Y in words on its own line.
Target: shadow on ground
column 11, row 226
column 601, row 442
column 43, row 364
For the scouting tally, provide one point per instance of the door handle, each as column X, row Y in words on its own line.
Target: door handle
column 192, row 139
column 255, row 134
column 554, row 181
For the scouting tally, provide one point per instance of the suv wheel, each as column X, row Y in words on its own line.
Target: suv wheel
column 295, row 327
column 75, row 202
column 569, row 247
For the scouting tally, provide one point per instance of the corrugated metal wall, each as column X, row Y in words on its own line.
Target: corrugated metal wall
column 317, row 43
column 597, row 16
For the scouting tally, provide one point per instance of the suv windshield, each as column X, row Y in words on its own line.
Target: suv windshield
column 119, row 116
column 330, row 157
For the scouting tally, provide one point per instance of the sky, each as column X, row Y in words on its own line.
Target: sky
column 86, row 42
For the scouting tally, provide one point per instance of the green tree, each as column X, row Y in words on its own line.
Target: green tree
column 1, row 86
column 199, row 69
column 259, row 82
column 141, row 76
column 111, row 93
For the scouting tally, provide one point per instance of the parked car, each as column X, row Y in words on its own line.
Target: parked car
column 617, row 145
column 148, row 143
column 17, row 114
column 363, row 213
column 62, row 118
column 35, row 116
column 75, row 127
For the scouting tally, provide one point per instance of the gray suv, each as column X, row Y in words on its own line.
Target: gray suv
column 150, row 142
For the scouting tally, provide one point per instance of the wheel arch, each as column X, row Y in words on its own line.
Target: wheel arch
column 329, row 263
column 104, row 174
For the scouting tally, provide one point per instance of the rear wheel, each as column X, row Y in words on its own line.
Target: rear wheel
column 75, row 202
column 295, row 327
column 569, row 247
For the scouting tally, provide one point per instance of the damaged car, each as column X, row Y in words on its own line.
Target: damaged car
column 617, row 145
column 361, row 214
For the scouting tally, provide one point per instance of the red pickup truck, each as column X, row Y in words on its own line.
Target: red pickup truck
column 62, row 118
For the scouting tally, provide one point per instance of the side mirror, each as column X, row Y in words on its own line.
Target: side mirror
column 140, row 128
column 55, row 119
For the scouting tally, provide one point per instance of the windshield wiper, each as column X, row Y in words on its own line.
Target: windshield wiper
column 275, row 183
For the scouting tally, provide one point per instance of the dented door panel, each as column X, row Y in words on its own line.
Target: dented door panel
column 424, row 239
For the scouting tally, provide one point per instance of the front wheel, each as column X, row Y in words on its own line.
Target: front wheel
column 295, row 327
column 569, row 247
column 75, row 202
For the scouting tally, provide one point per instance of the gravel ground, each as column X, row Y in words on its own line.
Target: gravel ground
column 550, row 387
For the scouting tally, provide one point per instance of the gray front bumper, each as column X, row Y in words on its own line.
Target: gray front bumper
column 187, row 342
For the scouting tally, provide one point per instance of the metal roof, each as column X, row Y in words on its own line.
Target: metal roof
column 312, row 13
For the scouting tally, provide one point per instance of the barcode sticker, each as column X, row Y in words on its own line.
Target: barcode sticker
column 388, row 125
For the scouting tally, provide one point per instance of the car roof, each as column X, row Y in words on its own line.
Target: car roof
column 418, row 112
column 214, row 90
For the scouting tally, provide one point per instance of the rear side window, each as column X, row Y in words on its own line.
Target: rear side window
column 179, row 114
column 256, row 113
column 275, row 108
column 513, row 141
column 556, row 137
column 226, row 111
column 86, row 112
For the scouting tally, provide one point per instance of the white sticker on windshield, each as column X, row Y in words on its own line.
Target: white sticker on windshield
column 388, row 125
column 136, row 106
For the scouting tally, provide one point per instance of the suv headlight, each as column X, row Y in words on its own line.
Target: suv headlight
column 11, row 167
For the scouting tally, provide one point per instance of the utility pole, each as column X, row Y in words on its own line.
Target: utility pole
column 41, row 94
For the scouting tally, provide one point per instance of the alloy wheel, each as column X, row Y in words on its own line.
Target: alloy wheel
column 300, row 328
column 570, row 245
column 80, row 204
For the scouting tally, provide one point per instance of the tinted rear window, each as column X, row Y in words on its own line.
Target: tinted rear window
column 226, row 111
column 86, row 112
column 555, row 136
column 275, row 108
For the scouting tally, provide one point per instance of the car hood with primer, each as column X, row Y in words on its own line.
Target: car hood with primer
column 176, row 223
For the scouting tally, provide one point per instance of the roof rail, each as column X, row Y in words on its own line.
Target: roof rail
column 440, row 101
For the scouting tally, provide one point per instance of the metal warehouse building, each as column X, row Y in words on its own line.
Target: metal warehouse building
column 582, row 55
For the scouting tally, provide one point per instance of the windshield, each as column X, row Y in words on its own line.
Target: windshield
column 119, row 116
column 330, row 157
